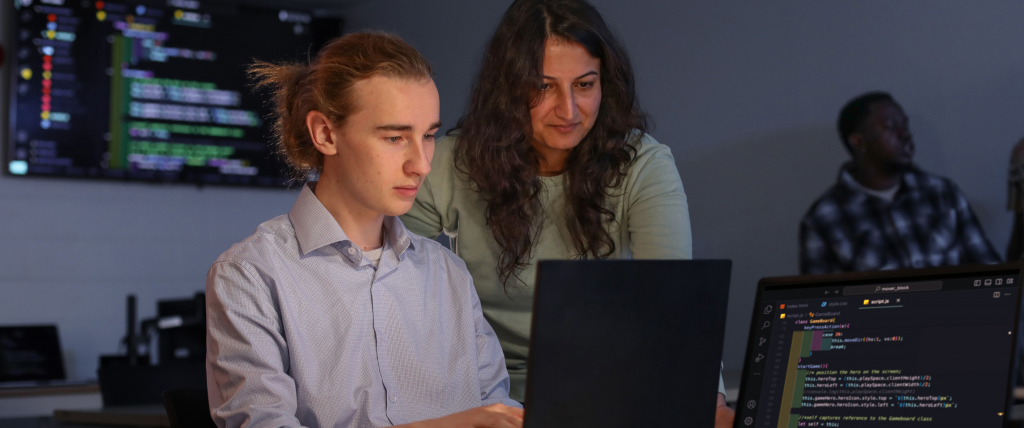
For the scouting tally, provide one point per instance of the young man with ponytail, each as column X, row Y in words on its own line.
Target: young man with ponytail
column 334, row 315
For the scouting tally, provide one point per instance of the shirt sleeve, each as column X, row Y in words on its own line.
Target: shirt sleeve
column 816, row 257
column 977, row 248
column 658, row 217
column 494, row 380
column 247, row 354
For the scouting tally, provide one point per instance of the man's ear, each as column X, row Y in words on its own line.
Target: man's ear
column 856, row 141
column 321, row 131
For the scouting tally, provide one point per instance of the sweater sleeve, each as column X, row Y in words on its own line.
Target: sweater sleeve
column 657, row 215
column 425, row 218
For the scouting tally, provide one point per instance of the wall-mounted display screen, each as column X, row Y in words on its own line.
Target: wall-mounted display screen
column 149, row 90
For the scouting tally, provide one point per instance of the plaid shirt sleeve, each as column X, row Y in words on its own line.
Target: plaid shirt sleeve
column 977, row 249
column 816, row 257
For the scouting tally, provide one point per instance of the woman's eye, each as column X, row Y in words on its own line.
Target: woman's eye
column 545, row 87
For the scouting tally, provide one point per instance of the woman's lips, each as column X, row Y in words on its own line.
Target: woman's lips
column 565, row 128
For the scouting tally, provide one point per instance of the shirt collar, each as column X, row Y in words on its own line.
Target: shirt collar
column 397, row 235
column 316, row 228
column 910, row 181
column 885, row 195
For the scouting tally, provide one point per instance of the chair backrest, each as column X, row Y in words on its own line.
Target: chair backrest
column 188, row 408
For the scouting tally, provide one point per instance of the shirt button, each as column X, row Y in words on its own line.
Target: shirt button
column 394, row 398
column 352, row 251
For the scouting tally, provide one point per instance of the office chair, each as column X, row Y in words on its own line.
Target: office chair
column 188, row 408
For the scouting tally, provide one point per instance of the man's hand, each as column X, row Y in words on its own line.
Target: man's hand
column 493, row 416
column 723, row 414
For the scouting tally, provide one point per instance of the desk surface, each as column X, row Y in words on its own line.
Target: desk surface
column 48, row 422
column 147, row 416
column 56, row 389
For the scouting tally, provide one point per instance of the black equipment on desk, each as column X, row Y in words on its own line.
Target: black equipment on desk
column 182, row 329
column 180, row 333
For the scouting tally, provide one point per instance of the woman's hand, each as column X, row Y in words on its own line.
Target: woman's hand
column 493, row 416
column 723, row 414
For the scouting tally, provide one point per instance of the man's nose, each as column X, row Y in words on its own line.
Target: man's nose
column 906, row 135
column 417, row 161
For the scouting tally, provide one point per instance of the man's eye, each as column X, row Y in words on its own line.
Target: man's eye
column 393, row 139
column 428, row 137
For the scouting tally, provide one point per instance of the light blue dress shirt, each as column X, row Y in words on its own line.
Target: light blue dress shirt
column 304, row 331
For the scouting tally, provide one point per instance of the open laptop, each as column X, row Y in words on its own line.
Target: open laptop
column 618, row 343
column 928, row 347
column 30, row 355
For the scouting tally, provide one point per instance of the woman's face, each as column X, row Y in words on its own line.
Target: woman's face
column 569, row 101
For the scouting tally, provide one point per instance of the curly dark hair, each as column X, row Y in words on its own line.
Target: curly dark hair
column 494, row 147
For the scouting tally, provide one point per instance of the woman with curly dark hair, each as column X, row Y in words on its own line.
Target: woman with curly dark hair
column 551, row 161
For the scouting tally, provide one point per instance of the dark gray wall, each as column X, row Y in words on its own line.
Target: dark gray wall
column 70, row 251
column 747, row 94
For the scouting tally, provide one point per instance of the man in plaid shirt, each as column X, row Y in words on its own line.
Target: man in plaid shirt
column 884, row 212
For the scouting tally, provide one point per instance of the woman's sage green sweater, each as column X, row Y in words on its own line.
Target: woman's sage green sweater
column 652, row 222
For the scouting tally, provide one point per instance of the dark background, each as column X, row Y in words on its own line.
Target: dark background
column 745, row 95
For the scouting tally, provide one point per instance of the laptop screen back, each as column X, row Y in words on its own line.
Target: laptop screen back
column 911, row 348
column 619, row 343
column 30, row 353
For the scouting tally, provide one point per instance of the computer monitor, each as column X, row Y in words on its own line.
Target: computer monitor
column 30, row 354
column 149, row 90
column 928, row 347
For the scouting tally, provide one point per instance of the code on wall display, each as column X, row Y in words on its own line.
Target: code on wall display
column 149, row 90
